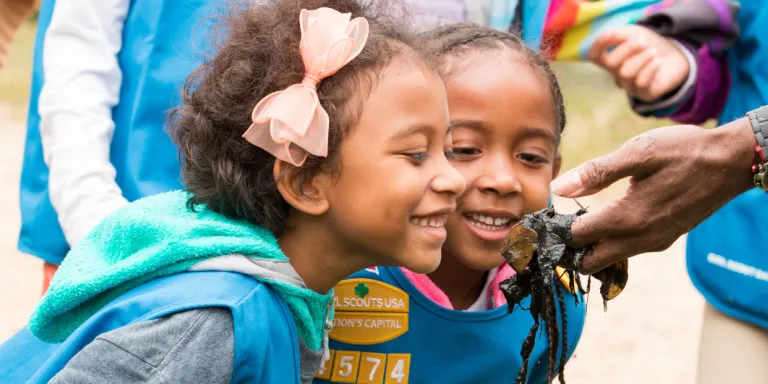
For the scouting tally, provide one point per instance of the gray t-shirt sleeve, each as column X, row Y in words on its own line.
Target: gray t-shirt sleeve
column 195, row 346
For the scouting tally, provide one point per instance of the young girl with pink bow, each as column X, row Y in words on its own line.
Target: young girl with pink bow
column 313, row 145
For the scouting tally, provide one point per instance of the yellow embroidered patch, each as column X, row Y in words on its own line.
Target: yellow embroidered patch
column 398, row 368
column 368, row 312
column 325, row 368
column 369, row 295
column 346, row 365
column 372, row 368
column 366, row 368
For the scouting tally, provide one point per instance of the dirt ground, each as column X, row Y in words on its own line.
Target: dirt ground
column 648, row 335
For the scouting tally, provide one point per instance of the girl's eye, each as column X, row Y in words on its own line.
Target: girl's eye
column 532, row 159
column 417, row 158
column 464, row 152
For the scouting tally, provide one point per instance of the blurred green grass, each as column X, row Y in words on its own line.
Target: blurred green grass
column 599, row 117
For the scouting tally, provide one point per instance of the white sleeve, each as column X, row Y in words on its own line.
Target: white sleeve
column 82, row 85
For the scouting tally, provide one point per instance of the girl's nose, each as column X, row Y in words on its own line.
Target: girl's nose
column 448, row 179
column 499, row 178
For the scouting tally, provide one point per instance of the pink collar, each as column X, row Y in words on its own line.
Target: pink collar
column 432, row 292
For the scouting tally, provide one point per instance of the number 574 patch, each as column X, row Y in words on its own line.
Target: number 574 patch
column 366, row 368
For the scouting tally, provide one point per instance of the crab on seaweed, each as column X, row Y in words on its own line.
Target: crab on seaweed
column 537, row 249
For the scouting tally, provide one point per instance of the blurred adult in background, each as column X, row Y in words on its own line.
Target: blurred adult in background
column 682, row 175
column 13, row 13
column 105, row 73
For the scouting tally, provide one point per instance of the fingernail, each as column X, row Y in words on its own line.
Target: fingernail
column 653, row 51
column 568, row 184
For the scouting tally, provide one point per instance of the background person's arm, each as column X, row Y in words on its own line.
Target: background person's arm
column 689, row 90
column 13, row 13
column 82, row 85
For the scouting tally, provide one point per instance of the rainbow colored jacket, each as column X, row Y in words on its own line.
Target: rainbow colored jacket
column 565, row 29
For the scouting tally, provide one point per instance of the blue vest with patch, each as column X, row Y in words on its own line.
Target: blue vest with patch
column 386, row 331
column 266, row 339
column 163, row 41
column 727, row 255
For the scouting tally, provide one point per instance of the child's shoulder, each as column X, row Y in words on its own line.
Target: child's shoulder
column 217, row 288
column 248, row 299
column 173, row 322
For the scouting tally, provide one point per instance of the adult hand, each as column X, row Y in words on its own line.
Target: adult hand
column 680, row 175
column 643, row 63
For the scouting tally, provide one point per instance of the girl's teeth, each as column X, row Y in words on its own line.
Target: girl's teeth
column 488, row 222
column 487, row 227
column 435, row 221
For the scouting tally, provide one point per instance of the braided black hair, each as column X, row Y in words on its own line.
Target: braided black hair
column 456, row 40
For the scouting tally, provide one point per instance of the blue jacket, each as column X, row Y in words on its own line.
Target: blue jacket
column 727, row 259
column 266, row 350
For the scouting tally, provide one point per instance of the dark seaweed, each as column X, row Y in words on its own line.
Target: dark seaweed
column 539, row 280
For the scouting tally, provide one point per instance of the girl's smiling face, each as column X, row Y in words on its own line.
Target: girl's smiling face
column 505, row 139
column 396, row 187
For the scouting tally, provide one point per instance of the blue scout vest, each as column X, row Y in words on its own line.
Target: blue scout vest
column 163, row 41
column 266, row 340
column 727, row 255
column 385, row 331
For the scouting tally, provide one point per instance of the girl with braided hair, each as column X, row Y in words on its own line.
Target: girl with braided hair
column 507, row 116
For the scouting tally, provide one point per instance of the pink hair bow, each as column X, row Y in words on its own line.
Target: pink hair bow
column 290, row 124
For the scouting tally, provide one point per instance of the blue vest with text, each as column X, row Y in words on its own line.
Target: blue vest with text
column 386, row 331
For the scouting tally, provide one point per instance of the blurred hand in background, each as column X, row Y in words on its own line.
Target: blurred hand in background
column 643, row 63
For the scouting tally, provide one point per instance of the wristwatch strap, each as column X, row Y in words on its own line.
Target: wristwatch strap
column 759, row 120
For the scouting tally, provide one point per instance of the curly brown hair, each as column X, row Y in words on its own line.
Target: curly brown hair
column 466, row 38
column 260, row 55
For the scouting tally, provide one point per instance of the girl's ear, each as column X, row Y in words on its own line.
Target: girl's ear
column 308, row 196
column 556, row 166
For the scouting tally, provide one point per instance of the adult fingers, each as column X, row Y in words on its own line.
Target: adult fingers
column 609, row 252
column 597, row 174
column 620, row 218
